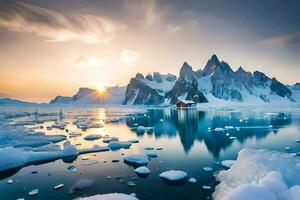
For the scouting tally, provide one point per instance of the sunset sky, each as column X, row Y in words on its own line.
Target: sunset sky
column 53, row 47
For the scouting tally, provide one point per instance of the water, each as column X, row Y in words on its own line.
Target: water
column 187, row 139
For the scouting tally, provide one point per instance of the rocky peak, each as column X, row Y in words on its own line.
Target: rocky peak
column 186, row 73
column 139, row 76
column 157, row 77
column 211, row 65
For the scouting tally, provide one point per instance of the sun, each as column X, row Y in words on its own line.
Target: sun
column 101, row 88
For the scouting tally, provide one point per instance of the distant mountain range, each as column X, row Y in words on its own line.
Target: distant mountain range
column 216, row 83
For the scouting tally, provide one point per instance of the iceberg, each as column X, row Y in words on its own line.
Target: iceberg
column 173, row 175
column 136, row 159
column 260, row 174
column 142, row 171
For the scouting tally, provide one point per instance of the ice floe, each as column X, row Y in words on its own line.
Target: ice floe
column 260, row 175
column 107, row 139
column 142, row 171
column 59, row 186
column 173, row 175
column 136, row 159
column 192, row 180
column 93, row 137
column 33, row 192
column 111, row 196
column 115, row 145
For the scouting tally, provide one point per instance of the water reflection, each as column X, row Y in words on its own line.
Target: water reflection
column 193, row 125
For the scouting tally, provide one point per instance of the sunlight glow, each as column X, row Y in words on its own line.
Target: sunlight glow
column 101, row 88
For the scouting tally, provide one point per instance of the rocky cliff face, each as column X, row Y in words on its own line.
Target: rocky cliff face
column 217, row 81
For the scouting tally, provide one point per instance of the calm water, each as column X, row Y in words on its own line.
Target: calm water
column 187, row 139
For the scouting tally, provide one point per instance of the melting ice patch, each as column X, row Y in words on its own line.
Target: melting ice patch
column 260, row 175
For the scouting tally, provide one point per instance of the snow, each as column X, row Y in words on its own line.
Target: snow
column 173, row 175
column 111, row 196
column 142, row 171
column 136, row 159
column 260, row 174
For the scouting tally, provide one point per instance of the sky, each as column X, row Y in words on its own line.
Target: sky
column 53, row 47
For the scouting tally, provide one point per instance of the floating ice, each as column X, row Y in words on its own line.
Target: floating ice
column 228, row 127
column 218, row 129
column 11, row 158
column 133, row 141
column 33, row 192
column 149, row 148
column 260, row 174
column 136, row 159
column 228, row 163
column 192, row 180
column 115, row 145
column 142, row 171
column 208, row 169
column 111, row 196
column 131, row 184
column 152, row 155
column 207, row 187
column 59, row 186
column 140, row 129
column 95, row 148
column 107, row 139
column 72, row 168
column 10, row 181
column 173, row 175
column 74, row 134
column 93, row 137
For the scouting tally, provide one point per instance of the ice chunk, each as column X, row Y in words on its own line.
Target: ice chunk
column 108, row 139
column 95, row 148
column 228, row 163
column 173, row 175
column 142, row 171
column 192, row 180
column 207, row 187
column 93, row 137
column 72, row 168
column 74, row 134
column 115, row 145
column 111, row 196
column 152, row 155
column 208, row 169
column 260, row 174
column 136, row 159
column 59, row 186
column 33, row 192
column 133, row 141
column 218, row 129
column 10, row 181
column 140, row 129
column 131, row 184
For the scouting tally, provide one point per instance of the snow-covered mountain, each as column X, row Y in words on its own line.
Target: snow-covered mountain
column 112, row 95
column 216, row 82
column 149, row 90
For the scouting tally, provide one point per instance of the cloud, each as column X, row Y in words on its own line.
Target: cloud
column 89, row 62
column 289, row 40
column 129, row 57
column 55, row 26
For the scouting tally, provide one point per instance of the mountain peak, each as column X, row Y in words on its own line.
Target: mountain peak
column 211, row 65
column 186, row 72
column 214, row 58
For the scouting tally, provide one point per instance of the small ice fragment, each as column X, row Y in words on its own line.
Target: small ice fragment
column 173, row 175
column 59, row 186
column 140, row 129
column 108, row 139
column 149, row 148
column 142, row 171
column 108, row 177
column 133, row 141
column 227, row 134
column 297, row 141
column 72, row 168
column 192, row 180
column 208, row 169
column 159, row 149
column 232, row 138
column 137, row 159
column 133, row 194
column 93, row 137
column 131, row 184
column 206, row 187
column 288, row 148
column 10, row 181
column 229, row 127
column 218, row 129
column 33, row 192
column 152, row 155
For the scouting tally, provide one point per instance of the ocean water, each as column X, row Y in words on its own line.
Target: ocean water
column 186, row 138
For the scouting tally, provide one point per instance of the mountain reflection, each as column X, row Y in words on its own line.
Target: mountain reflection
column 193, row 125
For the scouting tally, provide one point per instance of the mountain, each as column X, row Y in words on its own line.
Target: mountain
column 112, row 95
column 10, row 101
column 215, row 83
column 149, row 90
